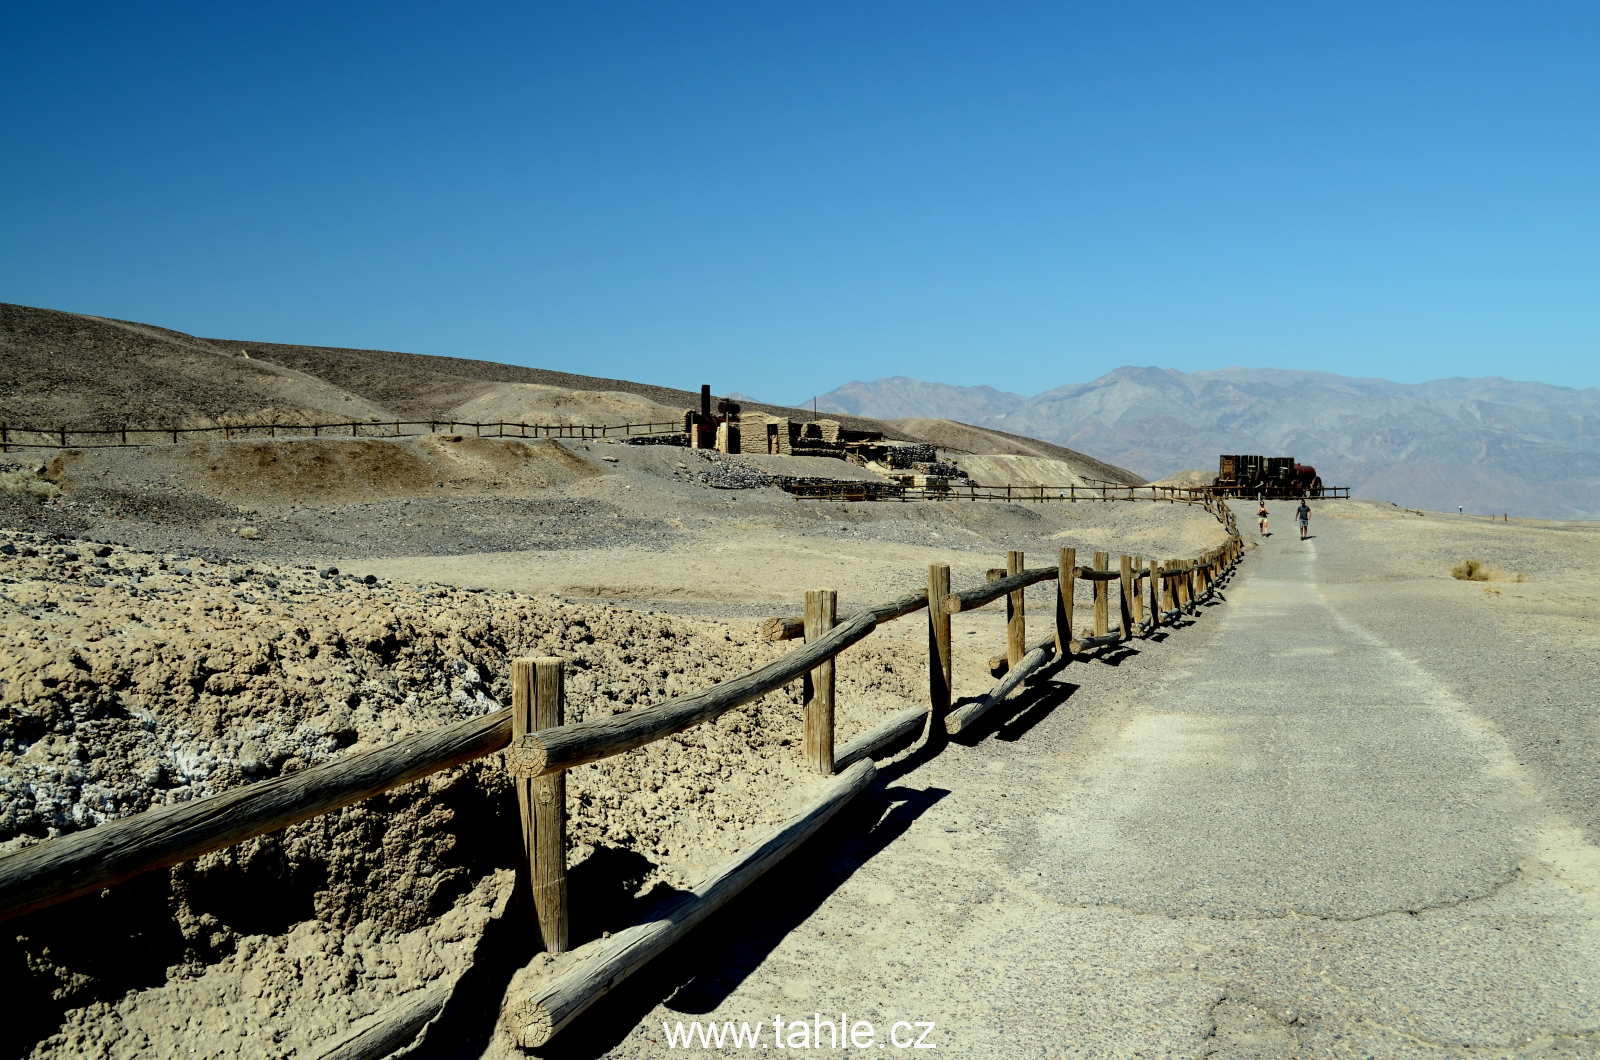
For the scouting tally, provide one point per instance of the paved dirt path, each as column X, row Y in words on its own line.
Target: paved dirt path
column 1270, row 835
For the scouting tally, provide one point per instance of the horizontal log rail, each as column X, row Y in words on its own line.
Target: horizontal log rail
column 964, row 717
column 989, row 592
column 1078, row 647
column 890, row 731
column 96, row 858
column 553, row 750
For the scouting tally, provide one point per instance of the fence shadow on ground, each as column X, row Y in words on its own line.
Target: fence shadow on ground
column 1033, row 706
column 605, row 894
column 721, row 953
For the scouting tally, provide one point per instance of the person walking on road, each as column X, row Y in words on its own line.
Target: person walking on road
column 1261, row 514
column 1302, row 515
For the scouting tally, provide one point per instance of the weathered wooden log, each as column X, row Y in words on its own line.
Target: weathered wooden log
column 940, row 660
column 886, row 733
column 1065, row 584
column 1102, row 612
column 817, row 697
column 589, row 741
column 971, row 599
column 1125, row 597
column 1084, row 644
column 786, row 628
column 394, row 1028
column 537, row 1011
column 1154, row 572
column 1016, row 613
column 538, row 696
column 965, row 717
column 1089, row 574
column 1132, row 590
column 793, row 627
column 998, row 665
column 899, row 608
column 96, row 858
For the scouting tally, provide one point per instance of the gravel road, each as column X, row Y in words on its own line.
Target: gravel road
column 1274, row 833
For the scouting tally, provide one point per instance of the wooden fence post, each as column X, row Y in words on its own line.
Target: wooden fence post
column 1133, row 566
column 537, row 691
column 1102, row 617
column 940, row 672
column 1125, row 597
column 1155, row 595
column 1016, row 617
column 821, row 614
column 1066, row 582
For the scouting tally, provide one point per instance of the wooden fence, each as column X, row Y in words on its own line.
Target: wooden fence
column 876, row 491
column 76, row 438
column 539, row 747
column 893, row 491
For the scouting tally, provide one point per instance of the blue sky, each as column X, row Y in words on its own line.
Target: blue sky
column 780, row 198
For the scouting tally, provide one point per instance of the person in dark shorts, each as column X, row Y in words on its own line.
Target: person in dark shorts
column 1302, row 516
column 1261, row 514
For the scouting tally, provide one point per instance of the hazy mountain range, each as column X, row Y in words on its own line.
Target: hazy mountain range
column 1489, row 444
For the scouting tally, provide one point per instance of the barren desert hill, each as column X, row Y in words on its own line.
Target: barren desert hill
column 71, row 370
column 964, row 437
column 76, row 370
column 60, row 369
column 414, row 384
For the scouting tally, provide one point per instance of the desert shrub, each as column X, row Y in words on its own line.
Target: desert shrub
column 1475, row 570
column 20, row 482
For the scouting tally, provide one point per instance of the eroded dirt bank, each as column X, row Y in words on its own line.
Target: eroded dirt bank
column 149, row 680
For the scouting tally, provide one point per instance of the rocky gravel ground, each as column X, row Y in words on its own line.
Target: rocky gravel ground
column 131, row 679
column 612, row 497
column 175, row 625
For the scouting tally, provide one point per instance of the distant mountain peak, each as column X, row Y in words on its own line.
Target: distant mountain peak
column 901, row 398
column 1492, row 443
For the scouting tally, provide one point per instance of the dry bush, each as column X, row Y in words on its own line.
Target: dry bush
column 1475, row 570
column 20, row 482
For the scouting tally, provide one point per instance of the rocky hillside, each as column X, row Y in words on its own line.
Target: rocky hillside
column 83, row 372
column 1486, row 444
